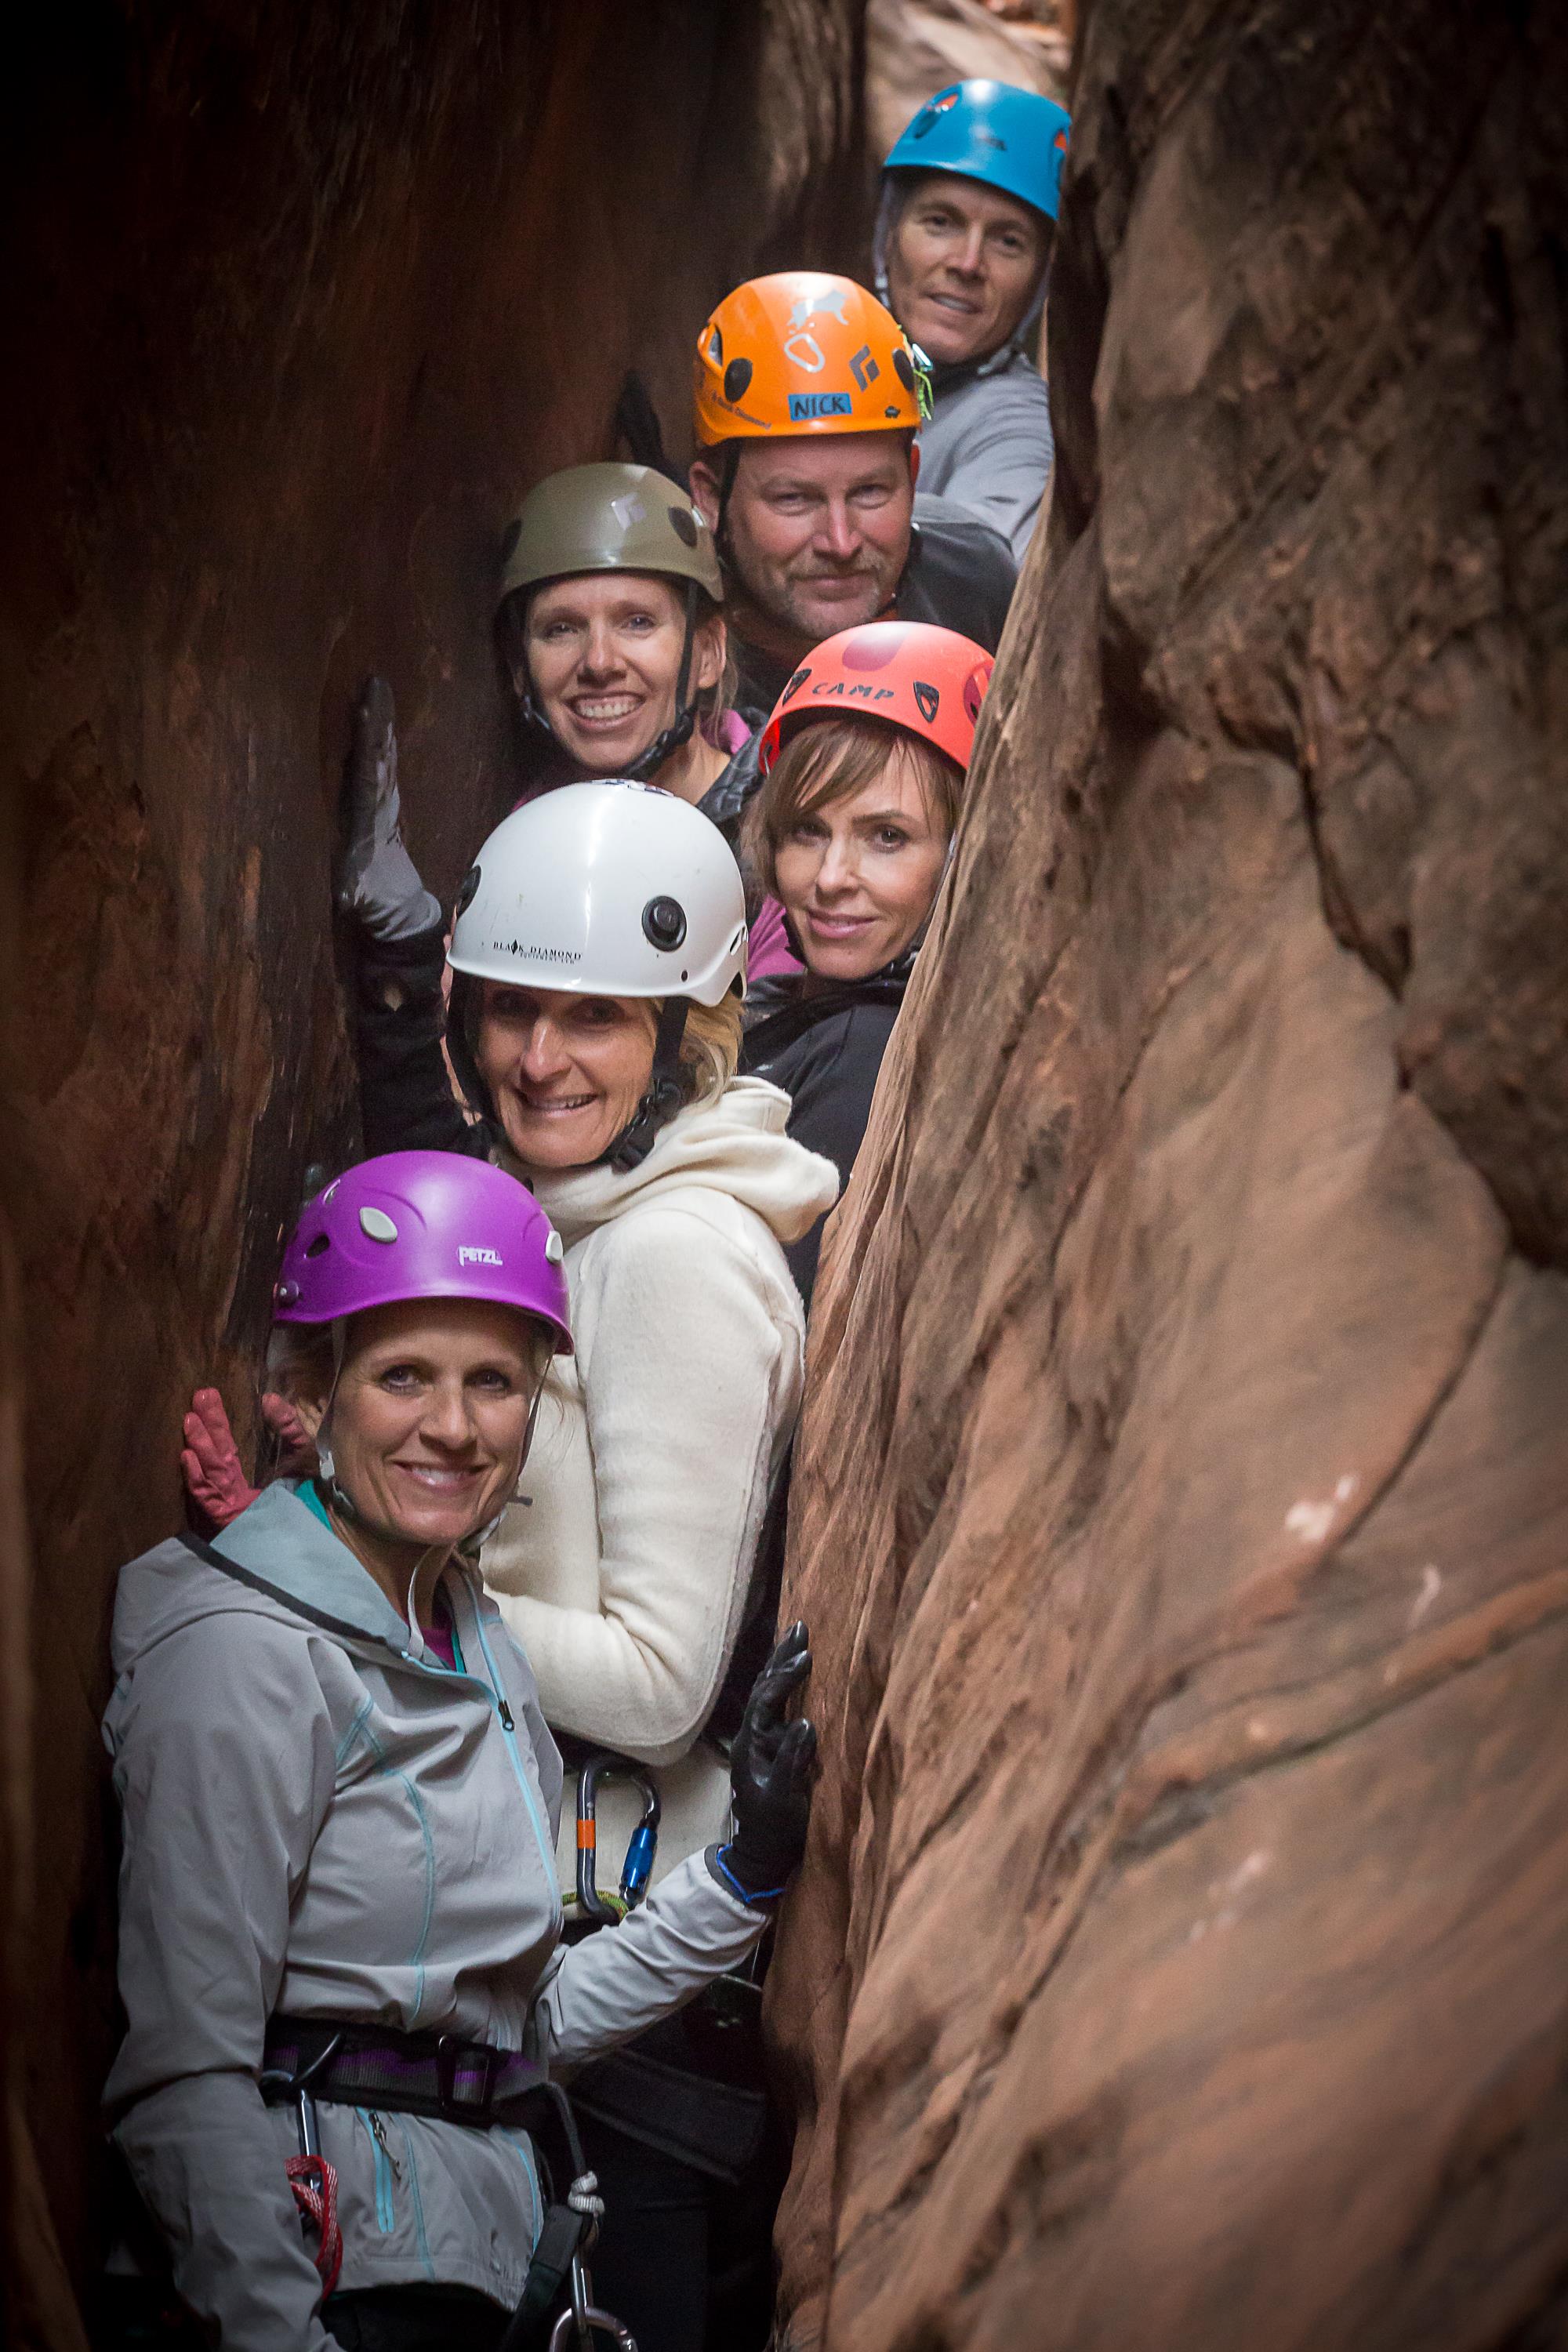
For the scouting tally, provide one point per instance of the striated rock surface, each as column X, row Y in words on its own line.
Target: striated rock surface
column 302, row 301
column 1182, row 1512
column 915, row 47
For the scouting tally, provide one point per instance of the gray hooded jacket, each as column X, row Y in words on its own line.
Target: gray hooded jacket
column 988, row 445
column 320, row 1822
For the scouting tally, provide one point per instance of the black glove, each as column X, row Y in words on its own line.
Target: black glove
column 772, row 1766
column 377, row 882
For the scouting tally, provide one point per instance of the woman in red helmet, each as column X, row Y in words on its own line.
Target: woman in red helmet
column 864, row 758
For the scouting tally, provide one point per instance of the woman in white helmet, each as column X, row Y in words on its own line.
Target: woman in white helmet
column 598, row 963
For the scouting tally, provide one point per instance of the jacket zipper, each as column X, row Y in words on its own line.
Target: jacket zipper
column 386, row 2169
column 508, row 1728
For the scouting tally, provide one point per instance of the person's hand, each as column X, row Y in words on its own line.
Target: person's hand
column 214, row 1476
column 376, row 883
column 772, row 1766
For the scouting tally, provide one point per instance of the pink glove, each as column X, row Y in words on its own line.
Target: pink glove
column 214, row 1475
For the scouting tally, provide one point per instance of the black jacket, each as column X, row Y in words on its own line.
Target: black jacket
column 406, row 1098
column 824, row 1050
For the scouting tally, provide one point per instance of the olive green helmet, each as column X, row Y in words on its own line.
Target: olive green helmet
column 609, row 518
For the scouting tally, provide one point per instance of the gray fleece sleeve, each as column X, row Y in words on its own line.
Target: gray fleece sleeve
column 224, row 1767
column 604, row 1991
column 1004, row 459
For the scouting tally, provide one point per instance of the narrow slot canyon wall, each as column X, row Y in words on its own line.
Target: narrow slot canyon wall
column 302, row 301
column 1181, row 1508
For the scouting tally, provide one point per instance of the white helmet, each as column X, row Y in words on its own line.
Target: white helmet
column 607, row 889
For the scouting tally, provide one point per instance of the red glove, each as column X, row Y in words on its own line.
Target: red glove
column 214, row 1475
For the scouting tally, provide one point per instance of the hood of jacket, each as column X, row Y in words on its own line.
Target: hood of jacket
column 278, row 1555
column 736, row 1145
column 1024, row 335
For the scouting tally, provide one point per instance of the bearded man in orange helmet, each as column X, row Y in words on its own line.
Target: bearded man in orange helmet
column 808, row 399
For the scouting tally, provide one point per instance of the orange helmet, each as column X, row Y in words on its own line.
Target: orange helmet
column 929, row 681
column 804, row 353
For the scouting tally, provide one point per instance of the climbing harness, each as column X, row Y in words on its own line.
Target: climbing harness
column 606, row 1910
column 568, row 2237
column 310, row 2060
column 313, row 2180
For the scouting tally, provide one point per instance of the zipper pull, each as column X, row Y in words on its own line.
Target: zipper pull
column 379, row 2128
column 507, row 1723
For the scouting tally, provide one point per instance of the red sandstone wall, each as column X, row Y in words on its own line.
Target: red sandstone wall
column 303, row 300
column 1182, row 1511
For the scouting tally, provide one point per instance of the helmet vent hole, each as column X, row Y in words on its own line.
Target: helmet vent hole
column 465, row 890
column 684, row 524
column 904, row 369
column 377, row 1224
column 737, row 379
column 664, row 924
column 513, row 533
column 322, row 1243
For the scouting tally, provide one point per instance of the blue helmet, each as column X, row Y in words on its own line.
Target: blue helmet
column 1010, row 139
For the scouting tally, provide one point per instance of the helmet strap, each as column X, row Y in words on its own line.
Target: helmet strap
column 465, row 1008
column 327, row 1469
column 665, row 1093
column 726, row 489
column 642, row 770
column 468, row 1550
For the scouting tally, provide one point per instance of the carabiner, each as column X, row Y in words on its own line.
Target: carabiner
column 596, row 2322
column 583, row 2320
column 638, row 1864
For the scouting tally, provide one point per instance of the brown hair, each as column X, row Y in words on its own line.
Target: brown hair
column 830, row 761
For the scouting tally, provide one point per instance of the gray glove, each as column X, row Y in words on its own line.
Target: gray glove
column 377, row 882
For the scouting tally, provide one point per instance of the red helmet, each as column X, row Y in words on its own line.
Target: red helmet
column 929, row 681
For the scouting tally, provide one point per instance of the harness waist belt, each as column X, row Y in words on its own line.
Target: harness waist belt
column 436, row 2074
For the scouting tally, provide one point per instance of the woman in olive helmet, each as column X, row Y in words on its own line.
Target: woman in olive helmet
column 611, row 633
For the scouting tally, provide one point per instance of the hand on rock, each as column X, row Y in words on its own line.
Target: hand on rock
column 772, row 1766
column 214, row 1476
column 377, row 882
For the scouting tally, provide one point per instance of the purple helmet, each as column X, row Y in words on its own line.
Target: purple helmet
column 423, row 1225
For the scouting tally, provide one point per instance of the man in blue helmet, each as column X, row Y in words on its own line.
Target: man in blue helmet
column 969, row 205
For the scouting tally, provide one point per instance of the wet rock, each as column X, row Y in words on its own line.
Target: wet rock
column 304, row 301
column 1182, row 1509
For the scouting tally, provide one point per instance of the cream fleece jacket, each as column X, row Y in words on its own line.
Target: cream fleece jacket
column 624, row 1573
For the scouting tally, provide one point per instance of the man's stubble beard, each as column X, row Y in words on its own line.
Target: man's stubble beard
column 781, row 609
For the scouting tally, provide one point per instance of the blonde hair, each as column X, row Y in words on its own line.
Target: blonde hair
column 710, row 1048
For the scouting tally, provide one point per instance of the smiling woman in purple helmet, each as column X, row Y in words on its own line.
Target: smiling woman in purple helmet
column 970, row 193
column 597, row 958
column 340, row 1951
